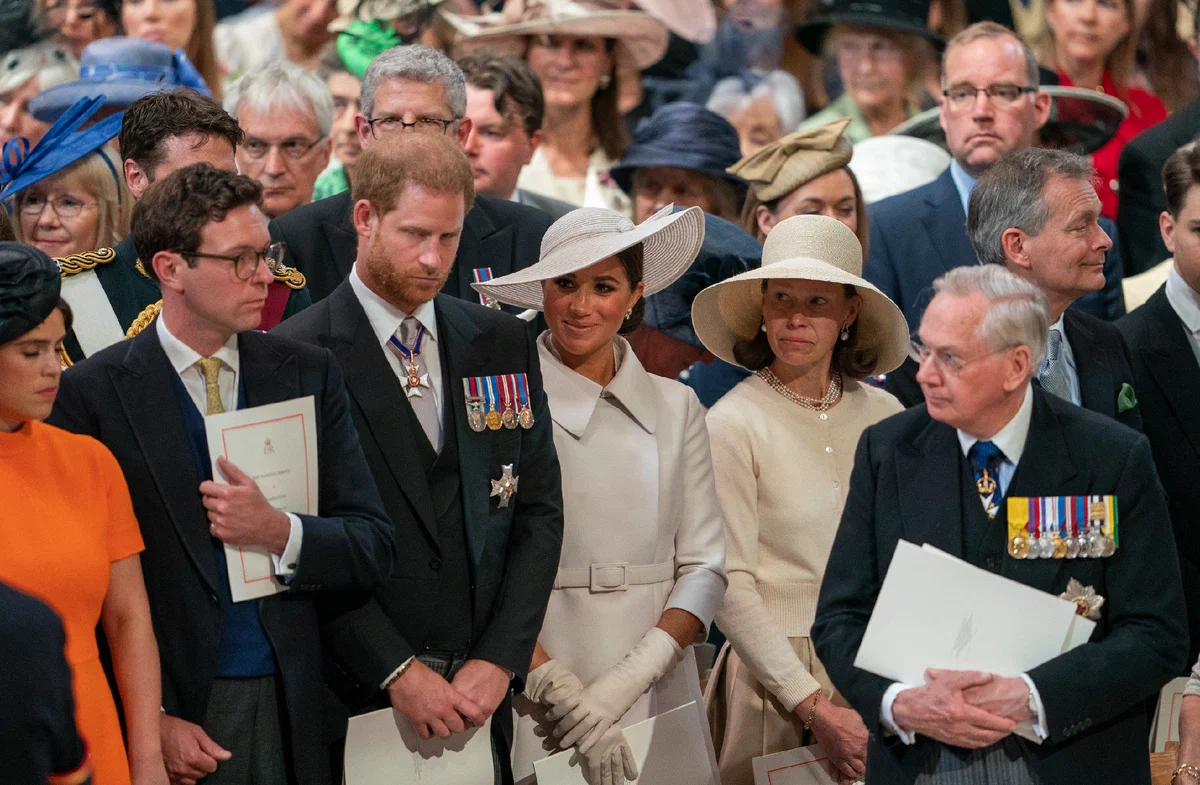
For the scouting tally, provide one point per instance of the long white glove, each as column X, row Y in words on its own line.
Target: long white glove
column 552, row 685
column 606, row 699
column 609, row 761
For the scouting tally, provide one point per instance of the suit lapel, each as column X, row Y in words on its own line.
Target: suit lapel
column 946, row 224
column 1172, row 364
column 458, row 333
column 342, row 239
column 268, row 375
column 376, row 390
column 143, row 386
column 928, row 473
column 1096, row 389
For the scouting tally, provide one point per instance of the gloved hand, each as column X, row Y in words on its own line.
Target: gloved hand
column 606, row 699
column 553, row 686
column 609, row 761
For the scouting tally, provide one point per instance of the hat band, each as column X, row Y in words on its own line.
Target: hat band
column 141, row 73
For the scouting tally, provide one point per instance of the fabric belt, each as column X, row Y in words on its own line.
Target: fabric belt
column 613, row 576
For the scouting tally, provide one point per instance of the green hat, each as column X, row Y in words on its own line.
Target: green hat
column 361, row 41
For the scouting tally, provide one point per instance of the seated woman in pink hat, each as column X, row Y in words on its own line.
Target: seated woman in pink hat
column 642, row 569
column 783, row 441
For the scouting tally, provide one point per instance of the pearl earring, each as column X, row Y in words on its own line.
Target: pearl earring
column 763, row 327
column 628, row 314
column 605, row 81
column 845, row 336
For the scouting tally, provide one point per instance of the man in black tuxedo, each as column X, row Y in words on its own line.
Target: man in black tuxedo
column 1164, row 336
column 409, row 88
column 1139, row 175
column 923, row 476
column 477, row 506
column 1036, row 213
column 241, row 681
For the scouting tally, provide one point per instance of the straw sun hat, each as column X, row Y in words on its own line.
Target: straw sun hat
column 808, row 248
column 670, row 242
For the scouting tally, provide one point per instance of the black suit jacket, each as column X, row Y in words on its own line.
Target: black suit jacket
column 322, row 243
column 1102, row 359
column 1168, row 384
column 918, row 235
column 513, row 551
column 1139, row 177
column 908, row 483
column 124, row 397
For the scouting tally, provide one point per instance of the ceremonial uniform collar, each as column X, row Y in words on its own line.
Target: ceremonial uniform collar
column 573, row 397
column 1012, row 437
column 384, row 317
column 181, row 356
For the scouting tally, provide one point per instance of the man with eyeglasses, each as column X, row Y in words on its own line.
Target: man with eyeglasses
column 241, row 681
column 412, row 89
column 1036, row 213
column 945, row 474
column 160, row 133
column 286, row 113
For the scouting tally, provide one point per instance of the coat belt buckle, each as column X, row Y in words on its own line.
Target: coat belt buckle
column 610, row 576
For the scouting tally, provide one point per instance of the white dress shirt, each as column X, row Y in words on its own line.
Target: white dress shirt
column 385, row 319
column 1185, row 301
column 1011, row 441
column 1066, row 360
column 183, row 359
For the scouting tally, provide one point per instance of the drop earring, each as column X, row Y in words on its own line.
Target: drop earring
column 845, row 336
column 605, row 81
column 628, row 314
column 762, row 328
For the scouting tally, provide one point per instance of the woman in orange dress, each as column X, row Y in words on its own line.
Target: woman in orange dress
column 67, row 530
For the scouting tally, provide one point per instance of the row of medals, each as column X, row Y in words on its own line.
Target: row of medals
column 1095, row 544
column 495, row 420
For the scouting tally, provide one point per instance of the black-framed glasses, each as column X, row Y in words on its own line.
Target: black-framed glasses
column 63, row 206
column 295, row 147
column 962, row 96
column 945, row 360
column 387, row 125
column 245, row 264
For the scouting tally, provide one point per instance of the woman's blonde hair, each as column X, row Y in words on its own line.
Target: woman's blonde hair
column 749, row 218
column 1118, row 64
column 201, row 49
column 95, row 177
column 918, row 54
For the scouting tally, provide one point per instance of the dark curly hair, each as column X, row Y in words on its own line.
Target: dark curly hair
column 152, row 119
column 173, row 211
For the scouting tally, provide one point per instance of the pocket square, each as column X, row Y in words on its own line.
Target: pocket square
column 1126, row 400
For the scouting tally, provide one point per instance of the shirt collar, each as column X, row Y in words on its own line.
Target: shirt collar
column 573, row 396
column 384, row 317
column 963, row 182
column 181, row 356
column 1011, row 438
column 1184, row 300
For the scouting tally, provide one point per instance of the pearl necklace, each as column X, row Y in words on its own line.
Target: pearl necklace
column 815, row 404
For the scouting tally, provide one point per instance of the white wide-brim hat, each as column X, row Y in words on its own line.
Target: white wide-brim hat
column 888, row 165
column 641, row 40
column 808, row 248
column 583, row 237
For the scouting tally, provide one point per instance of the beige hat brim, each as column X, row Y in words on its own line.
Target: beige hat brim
column 641, row 38
column 731, row 311
column 670, row 243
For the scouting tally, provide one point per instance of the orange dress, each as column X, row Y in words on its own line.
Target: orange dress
column 65, row 516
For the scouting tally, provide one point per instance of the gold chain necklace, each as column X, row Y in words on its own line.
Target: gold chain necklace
column 815, row 404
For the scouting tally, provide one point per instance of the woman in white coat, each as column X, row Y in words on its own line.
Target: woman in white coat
column 642, row 571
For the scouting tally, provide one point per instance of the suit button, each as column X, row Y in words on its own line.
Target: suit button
column 435, row 563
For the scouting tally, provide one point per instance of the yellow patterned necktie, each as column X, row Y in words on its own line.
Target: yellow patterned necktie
column 211, row 368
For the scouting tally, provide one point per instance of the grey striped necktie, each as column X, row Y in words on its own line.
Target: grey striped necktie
column 1051, row 375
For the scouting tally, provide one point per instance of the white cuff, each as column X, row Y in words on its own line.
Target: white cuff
column 383, row 684
column 1039, row 727
column 885, row 712
column 286, row 562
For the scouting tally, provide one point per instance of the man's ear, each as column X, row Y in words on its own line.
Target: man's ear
column 1166, row 225
column 535, row 141
column 137, row 180
column 464, row 132
column 364, row 217
column 167, row 267
column 1015, row 245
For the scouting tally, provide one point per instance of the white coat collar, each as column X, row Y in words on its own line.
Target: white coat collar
column 573, row 397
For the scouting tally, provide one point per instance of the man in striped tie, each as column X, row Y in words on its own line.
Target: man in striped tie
column 1036, row 213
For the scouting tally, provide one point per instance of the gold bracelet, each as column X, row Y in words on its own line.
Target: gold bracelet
column 1185, row 768
column 812, row 712
column 399, row 672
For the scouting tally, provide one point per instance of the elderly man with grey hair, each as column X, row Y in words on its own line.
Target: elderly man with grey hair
column 286, row 113
column 948, row 474
column 1036, row 213
column 412, row 89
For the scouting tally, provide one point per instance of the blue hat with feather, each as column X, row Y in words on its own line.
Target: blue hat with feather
column 63, row 145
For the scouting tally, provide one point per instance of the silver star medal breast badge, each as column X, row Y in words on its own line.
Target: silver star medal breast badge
column 1087, row 602
column 506, row 486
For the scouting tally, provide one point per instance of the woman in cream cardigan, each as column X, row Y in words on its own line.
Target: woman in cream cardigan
column 642, row 570
column 783, row 444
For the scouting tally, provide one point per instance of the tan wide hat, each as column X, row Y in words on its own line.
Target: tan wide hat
column 641, row 40
column 807, row 248
column 788, row 163
column 670, row 242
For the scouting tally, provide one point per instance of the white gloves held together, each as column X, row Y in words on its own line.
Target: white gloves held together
column 586, row 717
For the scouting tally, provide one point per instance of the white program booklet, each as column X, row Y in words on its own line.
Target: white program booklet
column 383, row 749
column 276, row 445
column 1166, row 717
column 801, row 766
column 673, row 748
column 937, row 611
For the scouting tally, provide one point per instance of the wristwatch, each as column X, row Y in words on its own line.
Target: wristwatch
column 1031, row 704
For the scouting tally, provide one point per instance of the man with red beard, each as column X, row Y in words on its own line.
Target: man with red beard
column 447, row 399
